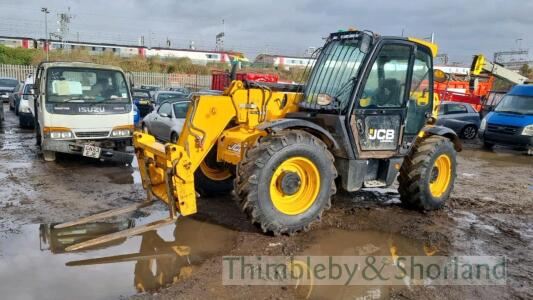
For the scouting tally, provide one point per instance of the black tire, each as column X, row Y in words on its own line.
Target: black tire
column 469, row 132
column 37, row 134
column 207, row 186
column 418, row 169
column 254, row 175
column 174, row 138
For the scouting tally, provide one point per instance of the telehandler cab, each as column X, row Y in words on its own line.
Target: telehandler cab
column 365, row 113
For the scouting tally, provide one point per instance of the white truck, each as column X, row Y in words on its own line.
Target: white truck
column 84, row 109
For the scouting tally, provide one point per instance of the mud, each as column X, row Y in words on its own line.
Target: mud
column 490, row 213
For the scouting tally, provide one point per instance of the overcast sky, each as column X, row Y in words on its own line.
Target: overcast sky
column 462, row 28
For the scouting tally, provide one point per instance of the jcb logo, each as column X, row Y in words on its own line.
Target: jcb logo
column 383, row 135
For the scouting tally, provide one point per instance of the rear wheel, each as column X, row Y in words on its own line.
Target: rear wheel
column 428, row 174
column 286, row 181
column 213, row 178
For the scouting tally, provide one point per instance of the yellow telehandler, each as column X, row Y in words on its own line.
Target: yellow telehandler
column 365, row 114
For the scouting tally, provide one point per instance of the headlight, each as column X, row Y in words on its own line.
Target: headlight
column 120, row 132
column 24, row 109
column 323, row 99
column 483, row 124
column 528, row 130
column 61, row 135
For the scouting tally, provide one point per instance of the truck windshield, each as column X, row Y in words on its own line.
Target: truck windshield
column 522, row 105
column 332, row 75
column 85, row 85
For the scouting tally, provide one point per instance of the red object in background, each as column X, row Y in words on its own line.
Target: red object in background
column 25, row 43
column 453, row 91
column 220, row 79
column 141, row 51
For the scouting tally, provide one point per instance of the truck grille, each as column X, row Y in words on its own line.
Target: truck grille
column 505, row 129
column 92, row 134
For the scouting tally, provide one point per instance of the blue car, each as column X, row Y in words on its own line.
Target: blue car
column 511, row 121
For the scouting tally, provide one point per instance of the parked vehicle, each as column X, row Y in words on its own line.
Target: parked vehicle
column 511, row 121
column 25, row 106
column 143, row 100
column 14, row 97
column 166, row 121
column 84, row 109
column 163, row 96
column 7, row 86
column 209, row 92
column 150, row 88
column 460, row 117
column 182, row 90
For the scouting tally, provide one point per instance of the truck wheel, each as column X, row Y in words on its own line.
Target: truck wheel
column 286, row 181
column 212, row 178
column 428, row 174
column 49, row 155
column 38, row 136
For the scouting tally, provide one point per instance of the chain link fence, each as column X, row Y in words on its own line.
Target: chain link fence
column 192, row 81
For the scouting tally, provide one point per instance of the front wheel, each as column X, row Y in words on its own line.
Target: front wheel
column 286, row 182
column 213, row 178
column 49, row 155
column 469, row 132
column 427, row 175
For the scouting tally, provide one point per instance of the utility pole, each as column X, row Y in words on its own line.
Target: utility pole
column 46, row 48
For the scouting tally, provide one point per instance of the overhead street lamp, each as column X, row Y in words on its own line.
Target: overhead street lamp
column 46, row 47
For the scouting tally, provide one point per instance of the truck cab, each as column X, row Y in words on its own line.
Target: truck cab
column 510, row 123
column 83, row 109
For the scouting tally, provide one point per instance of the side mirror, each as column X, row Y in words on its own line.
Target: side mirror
column 439, row 76
column 164, row 115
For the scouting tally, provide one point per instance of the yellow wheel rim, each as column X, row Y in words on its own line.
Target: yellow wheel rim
column 213, row 173
column 440, row 175
column 304, row 188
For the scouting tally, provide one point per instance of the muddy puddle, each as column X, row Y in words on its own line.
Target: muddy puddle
column 499, row 157
column 339, row 242
column 33, row 263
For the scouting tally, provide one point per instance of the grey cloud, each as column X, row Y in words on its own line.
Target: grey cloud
column 462, row 28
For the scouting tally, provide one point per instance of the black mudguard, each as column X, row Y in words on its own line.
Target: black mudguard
column 445, row 132
column 317, row 130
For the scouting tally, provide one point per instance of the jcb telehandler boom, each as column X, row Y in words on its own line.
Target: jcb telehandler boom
column 364, row 114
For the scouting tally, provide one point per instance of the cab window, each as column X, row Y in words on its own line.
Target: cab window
column 420, row 93
column 386, row 82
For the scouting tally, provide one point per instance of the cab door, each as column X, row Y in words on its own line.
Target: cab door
column 380, row 107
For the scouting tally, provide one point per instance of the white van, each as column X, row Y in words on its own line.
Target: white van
column 84, row 109
column 26, row 104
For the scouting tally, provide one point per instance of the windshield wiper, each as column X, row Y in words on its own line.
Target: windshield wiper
column 74, row 99
column 107, row 99
column 348, row 83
